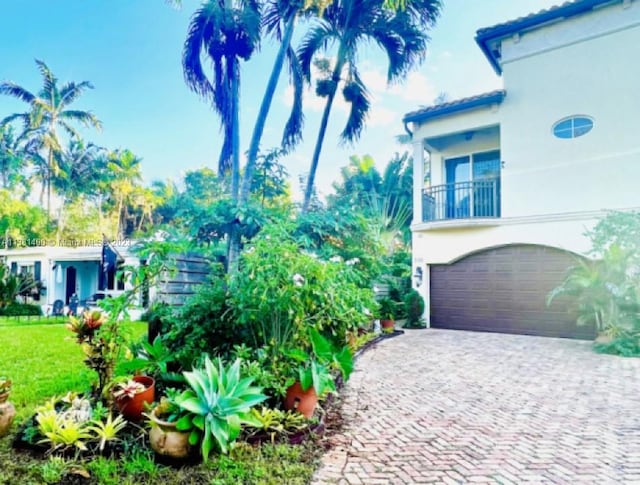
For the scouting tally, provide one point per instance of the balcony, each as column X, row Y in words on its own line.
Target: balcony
column 462, row 200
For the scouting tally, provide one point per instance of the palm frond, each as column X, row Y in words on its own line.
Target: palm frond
column 271, row 19
column 87, row 118
column 16, row 91
column 24, row 117
column 72, row 91
column 317, row 38
column 355, row 93
column 49, row 89
column 393, row 46
column 293, row 129
column 193, row 70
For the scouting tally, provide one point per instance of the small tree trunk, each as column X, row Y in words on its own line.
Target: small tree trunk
column 265, row 106
column 322, row 132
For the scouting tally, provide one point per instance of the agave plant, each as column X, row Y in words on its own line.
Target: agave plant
column 218, row 402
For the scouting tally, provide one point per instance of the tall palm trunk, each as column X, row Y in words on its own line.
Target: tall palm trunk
column 265, row 106
column 323, row 130
column 49, row 169
column 235, row 127
column 233, row 247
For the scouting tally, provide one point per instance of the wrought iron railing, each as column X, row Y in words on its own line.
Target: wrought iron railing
column 462, row 200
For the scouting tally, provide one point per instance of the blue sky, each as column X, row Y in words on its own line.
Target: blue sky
column 131, row 51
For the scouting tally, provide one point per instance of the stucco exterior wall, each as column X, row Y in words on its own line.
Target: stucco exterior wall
column 597, row 76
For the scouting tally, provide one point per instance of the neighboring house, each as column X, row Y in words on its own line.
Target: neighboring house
column 507, row 182
column 90, row 272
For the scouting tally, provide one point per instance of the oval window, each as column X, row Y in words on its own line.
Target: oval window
column 573, row 127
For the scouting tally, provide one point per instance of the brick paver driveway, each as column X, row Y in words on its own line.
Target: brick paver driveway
column 461, row 407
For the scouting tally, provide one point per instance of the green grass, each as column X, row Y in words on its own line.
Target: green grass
column 22, row 321
column 44, row 360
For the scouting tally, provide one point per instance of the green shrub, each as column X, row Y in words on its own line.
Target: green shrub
column 206, row 324
column 414, row 308
column 281, row 290
column 605, row 289
column 388, row 309
column 21, row 310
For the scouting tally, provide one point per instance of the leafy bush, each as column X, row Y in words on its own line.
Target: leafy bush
column 21, row 310
column 281, row 291
column 206, row 324
column 414, row 308
column 388, row 309
column 606, row 289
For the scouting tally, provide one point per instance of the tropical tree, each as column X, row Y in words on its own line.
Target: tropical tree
column 81, row 169
column 12, row 161
column 49, row 112
column 279, row 20
column 226, row 32
column 347, row 25
column 123, row 175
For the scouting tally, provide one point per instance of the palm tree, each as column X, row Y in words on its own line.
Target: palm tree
column 279, row 20
column 348, row 24
column 123, row 173
column 79, row 174
column 225, row 31
column 12, row 161
column 49, row 111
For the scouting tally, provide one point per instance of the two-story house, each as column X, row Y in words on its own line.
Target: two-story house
column 506, row 183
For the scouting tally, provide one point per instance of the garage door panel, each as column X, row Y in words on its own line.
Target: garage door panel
column 505, row 290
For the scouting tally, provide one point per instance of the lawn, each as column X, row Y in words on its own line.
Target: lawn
column 43, row 359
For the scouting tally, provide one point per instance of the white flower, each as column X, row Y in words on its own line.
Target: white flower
column 298, row 279
column 353, row 261
column 335, row 259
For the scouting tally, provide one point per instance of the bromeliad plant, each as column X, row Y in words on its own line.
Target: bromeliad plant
column 218, row 402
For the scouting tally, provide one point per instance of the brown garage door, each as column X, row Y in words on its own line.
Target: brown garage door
column 504, row 290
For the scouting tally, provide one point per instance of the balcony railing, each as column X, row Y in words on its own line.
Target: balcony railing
column 462, row 200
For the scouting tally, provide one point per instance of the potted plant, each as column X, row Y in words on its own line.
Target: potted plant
column 132, row 395
column 314, row 378
column 387, row 313
column 164, row 437
column 7, row 410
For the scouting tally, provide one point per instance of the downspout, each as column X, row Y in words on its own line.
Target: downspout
column 407, row 130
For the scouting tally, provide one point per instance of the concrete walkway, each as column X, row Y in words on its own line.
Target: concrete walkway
column 440, row 406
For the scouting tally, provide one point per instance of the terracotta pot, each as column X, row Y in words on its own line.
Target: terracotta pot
column 387, row 323
column 7, row 413
column 166, row 440
column 603, row 338
column 132, row 408
column 302, row 401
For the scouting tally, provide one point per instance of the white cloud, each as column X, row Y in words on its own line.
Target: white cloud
column 416, row 88
column 381, row 116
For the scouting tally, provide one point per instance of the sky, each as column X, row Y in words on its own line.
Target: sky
column 131, row 51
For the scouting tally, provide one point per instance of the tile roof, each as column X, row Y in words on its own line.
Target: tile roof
column 463, row 104
column 533, row 20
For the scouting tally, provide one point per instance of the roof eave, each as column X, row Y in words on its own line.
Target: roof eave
column 496, row 98
column 499, row 32
column 484, row 47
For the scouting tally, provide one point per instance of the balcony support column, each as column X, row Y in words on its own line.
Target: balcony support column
column 418, row 179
